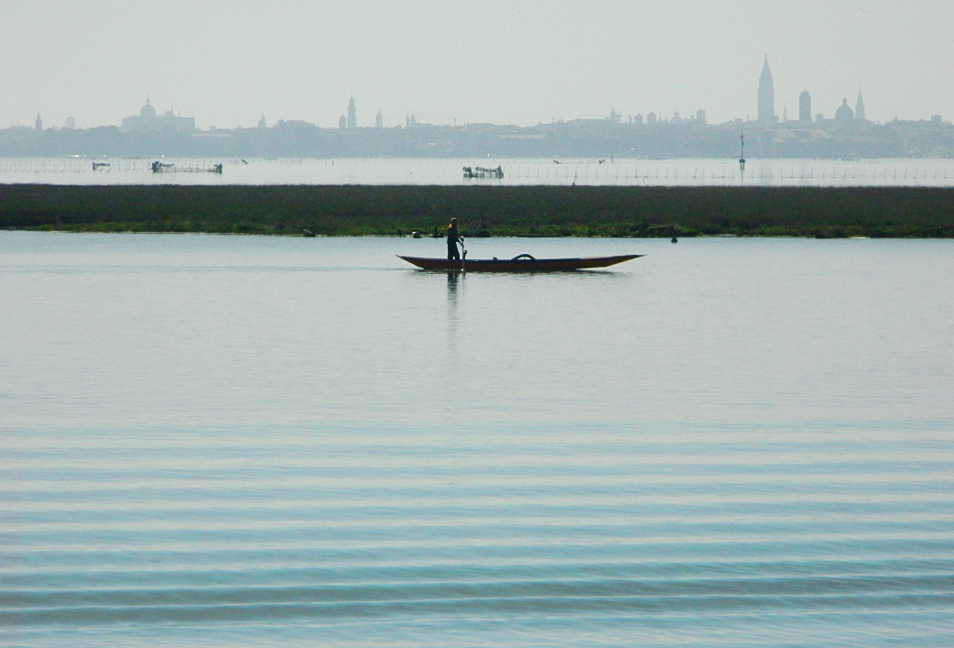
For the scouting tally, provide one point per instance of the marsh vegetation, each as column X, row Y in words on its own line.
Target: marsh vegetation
column 484, row 211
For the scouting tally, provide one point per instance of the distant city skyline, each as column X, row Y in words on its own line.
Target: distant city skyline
column 766, row 114
column 227, row 63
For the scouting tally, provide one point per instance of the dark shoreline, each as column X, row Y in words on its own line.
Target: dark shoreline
column 361, row 210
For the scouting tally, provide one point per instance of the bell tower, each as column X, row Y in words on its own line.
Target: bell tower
column 766, row 96
column 352, row 115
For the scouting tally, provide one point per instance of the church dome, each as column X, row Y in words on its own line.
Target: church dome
column 844, row 111
column 147, row 110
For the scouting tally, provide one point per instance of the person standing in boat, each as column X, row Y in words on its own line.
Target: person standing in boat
column 453, row 240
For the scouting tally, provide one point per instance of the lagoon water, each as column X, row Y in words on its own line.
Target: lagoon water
column 251, row 441
column 907, row 172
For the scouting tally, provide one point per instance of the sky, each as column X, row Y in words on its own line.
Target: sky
column 227, row 63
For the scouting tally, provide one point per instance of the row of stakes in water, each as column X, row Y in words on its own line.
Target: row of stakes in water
column 864, row 173
column 112, row 166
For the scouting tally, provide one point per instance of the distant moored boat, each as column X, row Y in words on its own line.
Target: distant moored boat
column 481, row 172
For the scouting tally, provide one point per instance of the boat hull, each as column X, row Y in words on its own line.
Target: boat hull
column 518, row 264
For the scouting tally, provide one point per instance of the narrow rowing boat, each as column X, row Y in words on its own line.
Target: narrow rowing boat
column 521, row 263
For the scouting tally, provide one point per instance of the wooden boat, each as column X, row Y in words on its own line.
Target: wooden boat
column 520, row 263
column 163, row 167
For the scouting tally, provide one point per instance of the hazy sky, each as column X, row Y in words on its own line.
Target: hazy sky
column 511, row 61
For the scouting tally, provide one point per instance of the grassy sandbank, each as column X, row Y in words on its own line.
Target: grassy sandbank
column 483, row 210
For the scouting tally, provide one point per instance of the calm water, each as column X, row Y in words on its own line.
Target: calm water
column 443, row 171
column 245, row 441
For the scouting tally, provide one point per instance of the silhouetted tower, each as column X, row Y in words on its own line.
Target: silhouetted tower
column 859, row 107
column 352, row 115
column 38, row 125
column 378, row 120
column 261, row 122
column 804, row 107
column 766, row 96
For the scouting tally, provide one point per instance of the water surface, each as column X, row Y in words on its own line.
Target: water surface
column 905, row 172
column 231, row 441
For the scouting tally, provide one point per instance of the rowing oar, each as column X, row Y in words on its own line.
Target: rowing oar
column 463, row 258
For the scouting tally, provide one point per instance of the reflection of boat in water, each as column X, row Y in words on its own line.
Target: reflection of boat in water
column 168, row 167
column 481, row 172
column 521, row 263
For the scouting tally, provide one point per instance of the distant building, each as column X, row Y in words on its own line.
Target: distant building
column 352, row 115
column 766, row 115
column 38, row 124
column 859, row 107
column 378, row 120
column 651, row 118
column 701, row 116
column 638, row 120
column 294, row 123
column 804, row 107
column 342, row 122
column 147, row 119
column 261, row 122
column 70, row 123
column 844, row 112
